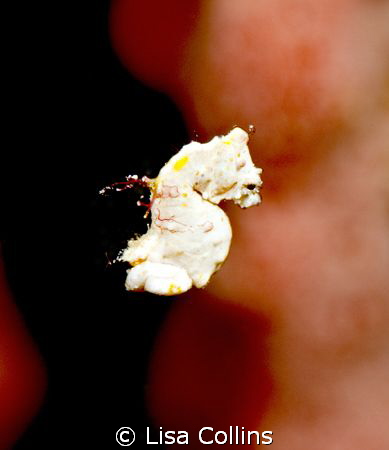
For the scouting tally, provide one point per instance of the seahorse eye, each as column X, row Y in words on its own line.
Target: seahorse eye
column 251, row 187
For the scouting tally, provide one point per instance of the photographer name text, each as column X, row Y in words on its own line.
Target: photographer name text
column 208, row 435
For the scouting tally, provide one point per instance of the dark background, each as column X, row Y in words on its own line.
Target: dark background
column 76, row 121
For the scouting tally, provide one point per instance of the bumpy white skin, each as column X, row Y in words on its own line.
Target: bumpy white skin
column 189, row 237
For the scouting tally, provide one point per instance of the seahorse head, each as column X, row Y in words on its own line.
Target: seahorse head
column 230, row 172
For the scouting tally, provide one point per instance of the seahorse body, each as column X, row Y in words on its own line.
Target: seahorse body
column 189, row 236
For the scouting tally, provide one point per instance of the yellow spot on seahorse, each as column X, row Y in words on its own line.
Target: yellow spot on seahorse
column 227, row 142
column 181, row 163
column 153, row 185
column 136, row 262
column 184, row 204
column 173, row 289
column 185, row 194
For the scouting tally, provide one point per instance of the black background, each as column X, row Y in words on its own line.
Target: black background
column 76, row 121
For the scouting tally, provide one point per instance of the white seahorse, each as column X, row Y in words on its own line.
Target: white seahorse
column 189, row 236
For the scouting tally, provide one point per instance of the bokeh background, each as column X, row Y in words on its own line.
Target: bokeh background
column 75, row 121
